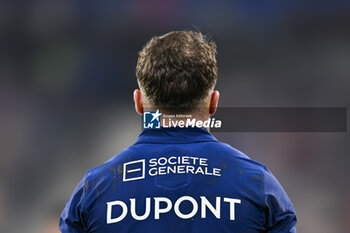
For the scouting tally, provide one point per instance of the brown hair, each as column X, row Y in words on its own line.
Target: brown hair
column 176, row 70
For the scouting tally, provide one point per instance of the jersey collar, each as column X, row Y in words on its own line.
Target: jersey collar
column 175, row 135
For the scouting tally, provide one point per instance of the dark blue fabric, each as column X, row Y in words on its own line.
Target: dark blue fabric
column 263, row 207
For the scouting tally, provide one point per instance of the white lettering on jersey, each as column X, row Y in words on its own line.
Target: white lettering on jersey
column 163, row 205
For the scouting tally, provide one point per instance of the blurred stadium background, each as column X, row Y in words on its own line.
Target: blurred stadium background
column 67, row 73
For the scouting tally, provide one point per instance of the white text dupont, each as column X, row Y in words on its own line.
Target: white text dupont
column 163, row 205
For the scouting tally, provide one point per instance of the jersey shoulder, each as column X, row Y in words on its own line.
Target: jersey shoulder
column 228, row 152
column 105, row 177
column 112, row 167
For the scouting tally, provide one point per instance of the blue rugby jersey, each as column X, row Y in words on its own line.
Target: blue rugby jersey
column 178, row 180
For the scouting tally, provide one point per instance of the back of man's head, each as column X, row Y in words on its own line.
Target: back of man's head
column 177, row 70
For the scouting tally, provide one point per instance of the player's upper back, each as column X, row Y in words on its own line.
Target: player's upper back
column 180, row 180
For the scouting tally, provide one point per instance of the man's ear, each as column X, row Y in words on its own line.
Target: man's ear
column 213, row 104
column 138, row 101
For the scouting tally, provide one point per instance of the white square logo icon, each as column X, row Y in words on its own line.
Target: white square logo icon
column 134, row 170
column 151, row 119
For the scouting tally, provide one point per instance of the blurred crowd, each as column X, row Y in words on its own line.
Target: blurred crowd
column 67, row 73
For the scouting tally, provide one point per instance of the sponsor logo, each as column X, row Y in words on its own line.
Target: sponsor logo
column 163, row 205
column 136, row 170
